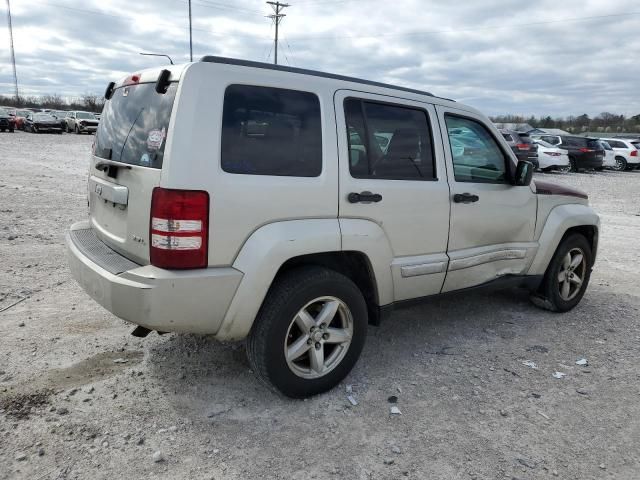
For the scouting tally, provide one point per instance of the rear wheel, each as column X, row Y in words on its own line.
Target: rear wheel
column 567, row 275
column 309, row 332
column 621, row 164
column 573, row 165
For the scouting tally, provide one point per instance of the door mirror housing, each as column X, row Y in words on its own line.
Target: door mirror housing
column 524, row 174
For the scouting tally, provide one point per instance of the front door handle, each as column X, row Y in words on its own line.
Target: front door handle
column 465, row 198
column 364, row 197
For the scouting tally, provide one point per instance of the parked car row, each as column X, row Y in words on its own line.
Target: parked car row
column 38, row 121
column 596, row 153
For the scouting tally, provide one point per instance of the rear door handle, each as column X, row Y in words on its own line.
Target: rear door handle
column 364, row 197
column 465, row 198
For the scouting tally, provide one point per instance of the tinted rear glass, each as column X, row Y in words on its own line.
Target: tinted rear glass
column 134, row 125
column 271, row 131
column 636, row 144
column 595, row 144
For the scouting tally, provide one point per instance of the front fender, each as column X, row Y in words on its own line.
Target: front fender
column 260, row 258
column 559, row 220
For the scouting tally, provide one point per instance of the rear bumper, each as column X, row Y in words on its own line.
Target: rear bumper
column 190, row 301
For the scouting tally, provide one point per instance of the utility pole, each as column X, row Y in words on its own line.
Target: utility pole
column 276, row 17
column 190, row 35
column 13, row 54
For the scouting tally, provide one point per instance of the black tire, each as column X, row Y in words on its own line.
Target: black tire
column 66, row 128
column 286, row 297
column 573, row 165
column 77, row 130
column 621, row 164
column 599, row 169
column 2, row 129
column 548, row 295
column 11, row 130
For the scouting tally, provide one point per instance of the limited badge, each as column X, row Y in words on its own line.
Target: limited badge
column 155, row 139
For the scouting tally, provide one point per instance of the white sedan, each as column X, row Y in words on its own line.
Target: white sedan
column 552, row 158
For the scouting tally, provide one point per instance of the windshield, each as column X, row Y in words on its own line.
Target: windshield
column 23, row 113
column 43, row 116
column 85, row 116
column 134, row 124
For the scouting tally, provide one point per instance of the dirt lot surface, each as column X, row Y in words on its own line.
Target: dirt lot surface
column 80, row 398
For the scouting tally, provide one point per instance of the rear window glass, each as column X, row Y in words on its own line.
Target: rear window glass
column 636, row 144
column 271, row 131
column 595, row 144
column 134, row 125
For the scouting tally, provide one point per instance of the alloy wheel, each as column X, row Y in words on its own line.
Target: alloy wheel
column 572, row 273
column 318, row 337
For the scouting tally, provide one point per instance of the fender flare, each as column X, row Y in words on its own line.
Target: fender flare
column 560, row 219
column 269, row 247
column 260, row 258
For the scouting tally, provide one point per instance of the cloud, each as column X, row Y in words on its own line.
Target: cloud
column 542, row 57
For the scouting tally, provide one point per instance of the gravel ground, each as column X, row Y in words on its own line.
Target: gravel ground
column 81, row 398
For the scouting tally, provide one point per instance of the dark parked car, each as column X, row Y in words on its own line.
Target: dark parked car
column 584, row 152
column 522, row 146
column 7, row 122
column 60, row 115
column 42, row 122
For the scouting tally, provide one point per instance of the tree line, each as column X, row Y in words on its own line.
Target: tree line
column 87, row 102
column 604, row 122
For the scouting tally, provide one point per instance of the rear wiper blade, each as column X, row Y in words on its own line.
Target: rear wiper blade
column 104, row 165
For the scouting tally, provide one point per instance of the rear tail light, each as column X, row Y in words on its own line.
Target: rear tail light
column 179, row 228
column 132, row 80
column 634, row 153
column 586, row 150
column 523, row 146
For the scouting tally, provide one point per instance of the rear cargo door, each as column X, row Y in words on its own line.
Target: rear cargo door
column 126, row 166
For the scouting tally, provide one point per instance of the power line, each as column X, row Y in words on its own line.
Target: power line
column 13, row 53
column 277, row 18
column 493, row 27
column 226, row 6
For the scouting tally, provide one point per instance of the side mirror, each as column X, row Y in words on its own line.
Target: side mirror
column 524, row 174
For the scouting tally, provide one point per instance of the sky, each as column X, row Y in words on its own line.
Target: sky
column 503, row 57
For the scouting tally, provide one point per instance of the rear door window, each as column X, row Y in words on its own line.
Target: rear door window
column 391, row 142
column 271, row 131
column 134, row 125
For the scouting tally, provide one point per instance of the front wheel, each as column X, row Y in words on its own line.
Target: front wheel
column 77, row 130
column 309, row 332
column 567, row 275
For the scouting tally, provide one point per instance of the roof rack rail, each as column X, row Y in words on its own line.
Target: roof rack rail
column 304, row 71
